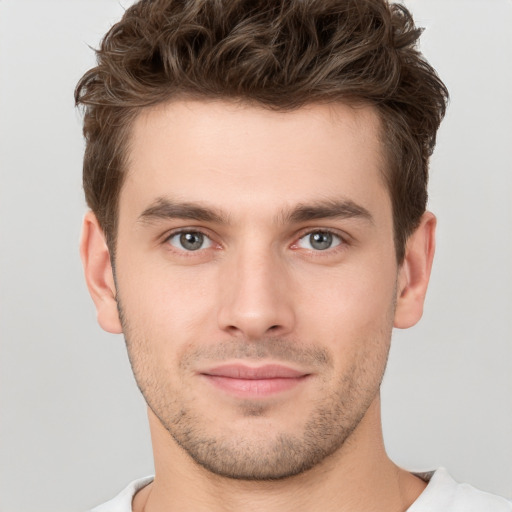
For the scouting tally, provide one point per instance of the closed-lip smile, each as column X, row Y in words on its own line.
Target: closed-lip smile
column 254, row 381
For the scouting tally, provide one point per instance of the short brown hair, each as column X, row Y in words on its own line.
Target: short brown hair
column 281, row 54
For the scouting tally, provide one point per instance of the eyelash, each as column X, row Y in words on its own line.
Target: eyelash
column 344, row 241
column 181, row 231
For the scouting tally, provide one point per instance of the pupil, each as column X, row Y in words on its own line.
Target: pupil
column 320, row 241
column 191, row 241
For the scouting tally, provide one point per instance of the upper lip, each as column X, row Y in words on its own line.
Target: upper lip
column 268, row 371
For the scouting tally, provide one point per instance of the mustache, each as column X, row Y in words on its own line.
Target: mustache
column 274, row 348
column 284, row 350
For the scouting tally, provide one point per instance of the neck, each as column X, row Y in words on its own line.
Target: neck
column 358, row 477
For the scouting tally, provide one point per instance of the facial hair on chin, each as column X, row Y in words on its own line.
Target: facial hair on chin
column 271, row 455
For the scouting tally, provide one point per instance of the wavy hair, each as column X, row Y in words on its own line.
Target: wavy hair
column 281, row 54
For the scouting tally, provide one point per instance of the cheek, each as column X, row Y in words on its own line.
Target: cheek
column 353, row 319
column 352, row 299
column 166, row 305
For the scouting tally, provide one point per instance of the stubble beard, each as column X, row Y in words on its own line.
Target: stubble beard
column 273, row 455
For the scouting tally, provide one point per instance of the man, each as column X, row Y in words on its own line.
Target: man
column 256, row 173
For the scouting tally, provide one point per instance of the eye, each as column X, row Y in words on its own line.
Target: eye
column 319, row 241
column 190, row 240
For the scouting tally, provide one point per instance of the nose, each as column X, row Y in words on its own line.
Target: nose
column 256, row 299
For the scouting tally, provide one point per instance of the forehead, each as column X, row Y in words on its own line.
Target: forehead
column 243, row 156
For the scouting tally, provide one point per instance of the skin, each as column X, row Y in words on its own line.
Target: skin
column 259, row 291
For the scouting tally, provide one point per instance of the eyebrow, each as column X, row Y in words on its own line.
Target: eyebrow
column 164, row 208
column 329, row 209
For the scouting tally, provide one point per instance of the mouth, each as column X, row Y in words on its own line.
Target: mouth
column 254, row 382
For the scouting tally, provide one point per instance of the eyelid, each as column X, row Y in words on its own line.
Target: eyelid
column 191, row 229
column 344, row 238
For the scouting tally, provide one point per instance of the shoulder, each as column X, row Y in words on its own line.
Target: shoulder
column 123, row 501
column 444, row 494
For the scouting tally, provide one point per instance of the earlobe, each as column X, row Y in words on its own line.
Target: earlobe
column 414, row 273
column 98, row 274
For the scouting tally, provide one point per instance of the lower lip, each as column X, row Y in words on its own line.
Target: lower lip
column 254, row 388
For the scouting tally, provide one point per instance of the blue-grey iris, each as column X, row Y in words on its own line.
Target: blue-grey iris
column 320, row 240
column 191, row 241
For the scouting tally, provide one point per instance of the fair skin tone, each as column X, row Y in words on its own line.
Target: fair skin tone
column 258, row 285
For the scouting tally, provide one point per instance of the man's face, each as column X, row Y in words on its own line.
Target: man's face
column 256, row 279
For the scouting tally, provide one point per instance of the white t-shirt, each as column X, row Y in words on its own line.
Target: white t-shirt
column 442, row 494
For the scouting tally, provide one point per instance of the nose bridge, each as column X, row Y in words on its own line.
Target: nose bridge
column 255, row 297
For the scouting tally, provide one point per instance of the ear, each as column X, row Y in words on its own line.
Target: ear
column 414, row 273
column 98, row 274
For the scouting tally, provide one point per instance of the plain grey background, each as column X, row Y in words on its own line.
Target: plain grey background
column 72, row 425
